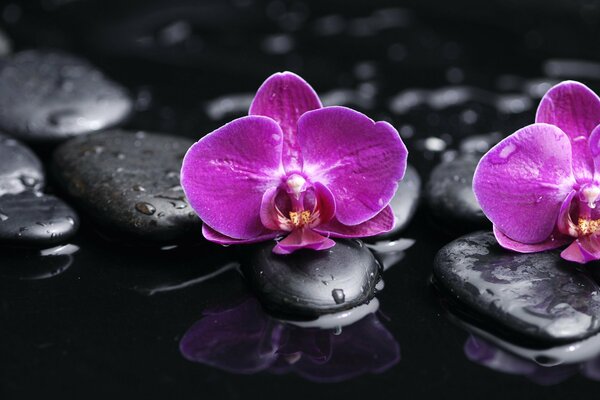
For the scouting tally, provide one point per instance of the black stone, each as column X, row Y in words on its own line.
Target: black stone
column 404, row 203
column 20, row 169
column 129, row 183
column 310, row 283
column 537, row 296
column 478, row 145
column 450, row 196
column 35, row 219
column 50, row 96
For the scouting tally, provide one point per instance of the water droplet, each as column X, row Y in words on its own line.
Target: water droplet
column 338, row 330
column 145, row 208
column 138, row 188
column 338, row 296
column 3, row 217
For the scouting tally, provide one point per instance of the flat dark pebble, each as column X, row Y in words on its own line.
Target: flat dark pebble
column 31, row 219
column 48, row 96
column 404, row 203
column 449, row 195
column 308, row 283
column 20, row 169
column 129, row 184
column 538, row 296
column 28, row 217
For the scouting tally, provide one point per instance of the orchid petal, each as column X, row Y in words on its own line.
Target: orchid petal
column 304, row 238
column 359, row 160
column 564, row 222
column 284, row 97
column 216, row 237
column 594, row 145
column 575, row 109
column 522, row 181
column 552, row 242
column 325, row 203
column 226, row 173
column 268, row 212
column 583, row 250
column 381, row 223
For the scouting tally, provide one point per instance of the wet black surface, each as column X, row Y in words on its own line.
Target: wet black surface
column 110, row 318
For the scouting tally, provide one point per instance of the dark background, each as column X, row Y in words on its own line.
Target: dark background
column 91, row 331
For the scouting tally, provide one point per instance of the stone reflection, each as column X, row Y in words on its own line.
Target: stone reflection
column 243, row 339
column 493, row 357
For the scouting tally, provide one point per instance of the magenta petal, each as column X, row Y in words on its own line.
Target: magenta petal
column 359, row 160
column 325, row 203
column 594, row 145
column 522, row 181
column 304, row 238
column 216, row 237
column 575, row 109
column 268, row 212
column 553, row 242
column 583, row 250
column 564, row 223
column 284, row 97
column 226, row 173
column 381, row 223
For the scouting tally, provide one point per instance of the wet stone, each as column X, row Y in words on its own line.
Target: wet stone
column 49, row 96
column 538, row 296
column 129, row 184
column 35, row 219
column 404, row 203
column 450, row 196
column 20, row 169
column 310, row 283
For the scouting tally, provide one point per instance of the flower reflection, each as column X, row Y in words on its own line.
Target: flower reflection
column 485, row 353
column 243, row 339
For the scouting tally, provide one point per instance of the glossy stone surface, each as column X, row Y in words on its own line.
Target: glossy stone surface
column 450, row 196
column 30, row 219
column 20, row 169
column 536, row 295
column 49, row 96
column 129, row 183
column 405, row 202
column 309, row 283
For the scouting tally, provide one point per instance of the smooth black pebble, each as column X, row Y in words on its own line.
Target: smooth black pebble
column 450, row 196
column 310, row 283
column 35, row 219
column 20, row 169
column 404, row 203
column 538, row 296
column 129, row 184
column 49, row 96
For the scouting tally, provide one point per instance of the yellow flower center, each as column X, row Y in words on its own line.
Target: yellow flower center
column 588, row 226
column 300, row 218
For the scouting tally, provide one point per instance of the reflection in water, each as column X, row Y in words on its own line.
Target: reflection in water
column 485, row 353
column 33, row 264
column 243, row 339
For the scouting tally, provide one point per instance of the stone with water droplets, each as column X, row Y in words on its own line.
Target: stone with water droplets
column 310, row 283
column 20, row 169
column 49, row 96
column 404, row 203
column 450, row 196
column 129, row 183
column 538, row 296
column 32, row 219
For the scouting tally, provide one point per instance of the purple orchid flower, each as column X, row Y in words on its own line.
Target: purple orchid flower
column 540, row 186
column 295, row 168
